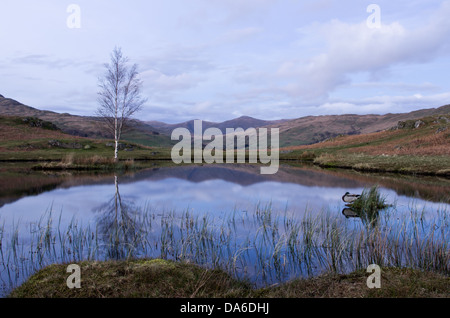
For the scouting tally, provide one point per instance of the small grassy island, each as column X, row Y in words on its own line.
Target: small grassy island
column 159, row 278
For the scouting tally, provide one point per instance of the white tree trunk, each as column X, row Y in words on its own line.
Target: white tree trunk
column 116, row 151
column 116, row 139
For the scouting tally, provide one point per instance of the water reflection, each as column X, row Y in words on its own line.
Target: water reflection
column 117, row 225
column 215, row 215
column 349, row 213
column 367, row 217
column 14, row 186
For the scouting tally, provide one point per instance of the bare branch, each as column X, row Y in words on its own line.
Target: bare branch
column 119, row 95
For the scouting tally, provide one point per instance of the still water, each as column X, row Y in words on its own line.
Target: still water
column 221, row 193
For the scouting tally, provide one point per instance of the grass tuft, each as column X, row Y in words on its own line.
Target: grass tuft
column 369, row 203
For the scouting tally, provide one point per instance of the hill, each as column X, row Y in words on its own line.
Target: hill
column 313, row 129
column 32, row 139
column 419, row 146
column 84, row 126
column 293, row 132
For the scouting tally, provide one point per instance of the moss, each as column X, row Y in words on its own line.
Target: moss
column 157, row 278
column 395, row 283
column 140, row 278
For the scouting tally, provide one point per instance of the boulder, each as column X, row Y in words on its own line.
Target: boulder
column 418, row 123
column 441, row 129
column 71, row 145
column 400, row 125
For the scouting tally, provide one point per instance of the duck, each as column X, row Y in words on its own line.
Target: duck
column 350, row 198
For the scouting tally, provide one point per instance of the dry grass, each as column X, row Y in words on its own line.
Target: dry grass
column 395, row 282
column 165, row 279
column 141, row 278
column 93, row 162
column 428, row 145
column 432, row 139
column 12, row 130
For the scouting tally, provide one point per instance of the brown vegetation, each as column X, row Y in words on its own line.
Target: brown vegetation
column 165, row 279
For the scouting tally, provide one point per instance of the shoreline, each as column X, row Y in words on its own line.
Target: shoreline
column 129, row 163
column 159, row 278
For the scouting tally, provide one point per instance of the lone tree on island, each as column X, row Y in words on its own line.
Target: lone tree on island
column 119, row 96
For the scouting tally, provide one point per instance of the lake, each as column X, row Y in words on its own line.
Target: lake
column 265, row 228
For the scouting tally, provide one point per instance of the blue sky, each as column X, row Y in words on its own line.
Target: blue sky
column 220, row 59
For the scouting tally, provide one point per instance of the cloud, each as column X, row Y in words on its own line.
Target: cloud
column 49, row 61
column 426, row 86
column 240, row 34
column 350, row 48
column 383, row 104
column 160, row 81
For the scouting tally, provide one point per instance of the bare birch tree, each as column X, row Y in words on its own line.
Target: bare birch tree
column 119, row 96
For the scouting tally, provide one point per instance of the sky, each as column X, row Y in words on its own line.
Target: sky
column 220, row 59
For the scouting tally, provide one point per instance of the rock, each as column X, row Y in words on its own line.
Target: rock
column 444, row 119
column 121, row 146
column 33, row 121
column 441, row 129
column 36, row 122
column 54, row 143
column 418, row 123
column 58, row 144
column 87, row 147
column 400, row 125
column 2, row 96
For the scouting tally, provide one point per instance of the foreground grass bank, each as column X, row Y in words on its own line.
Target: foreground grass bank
column 159, row 278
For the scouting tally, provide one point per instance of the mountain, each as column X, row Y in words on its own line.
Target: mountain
column 293, row 132
column 243, row 122
column 312, row 129
column 85, row 126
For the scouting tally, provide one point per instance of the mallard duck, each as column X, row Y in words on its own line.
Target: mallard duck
column 349, row 198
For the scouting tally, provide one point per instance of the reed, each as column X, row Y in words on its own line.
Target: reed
column 264, row 246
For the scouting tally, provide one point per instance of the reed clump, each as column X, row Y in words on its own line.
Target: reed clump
column 263, row 247
column 369, row 203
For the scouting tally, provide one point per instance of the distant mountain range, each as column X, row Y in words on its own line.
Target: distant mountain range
column 293, row 132
column 243, row 122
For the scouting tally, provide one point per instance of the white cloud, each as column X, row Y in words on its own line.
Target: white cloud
column 240, row 34
column 160, row 81
column 350, row 48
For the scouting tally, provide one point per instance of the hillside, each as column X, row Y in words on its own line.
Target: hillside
column 313, row 129
column 31, row 139
column 84, row 126
column 293, row 132
column 411, row 146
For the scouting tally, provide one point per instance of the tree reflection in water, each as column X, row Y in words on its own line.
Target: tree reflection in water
column 117, row 226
